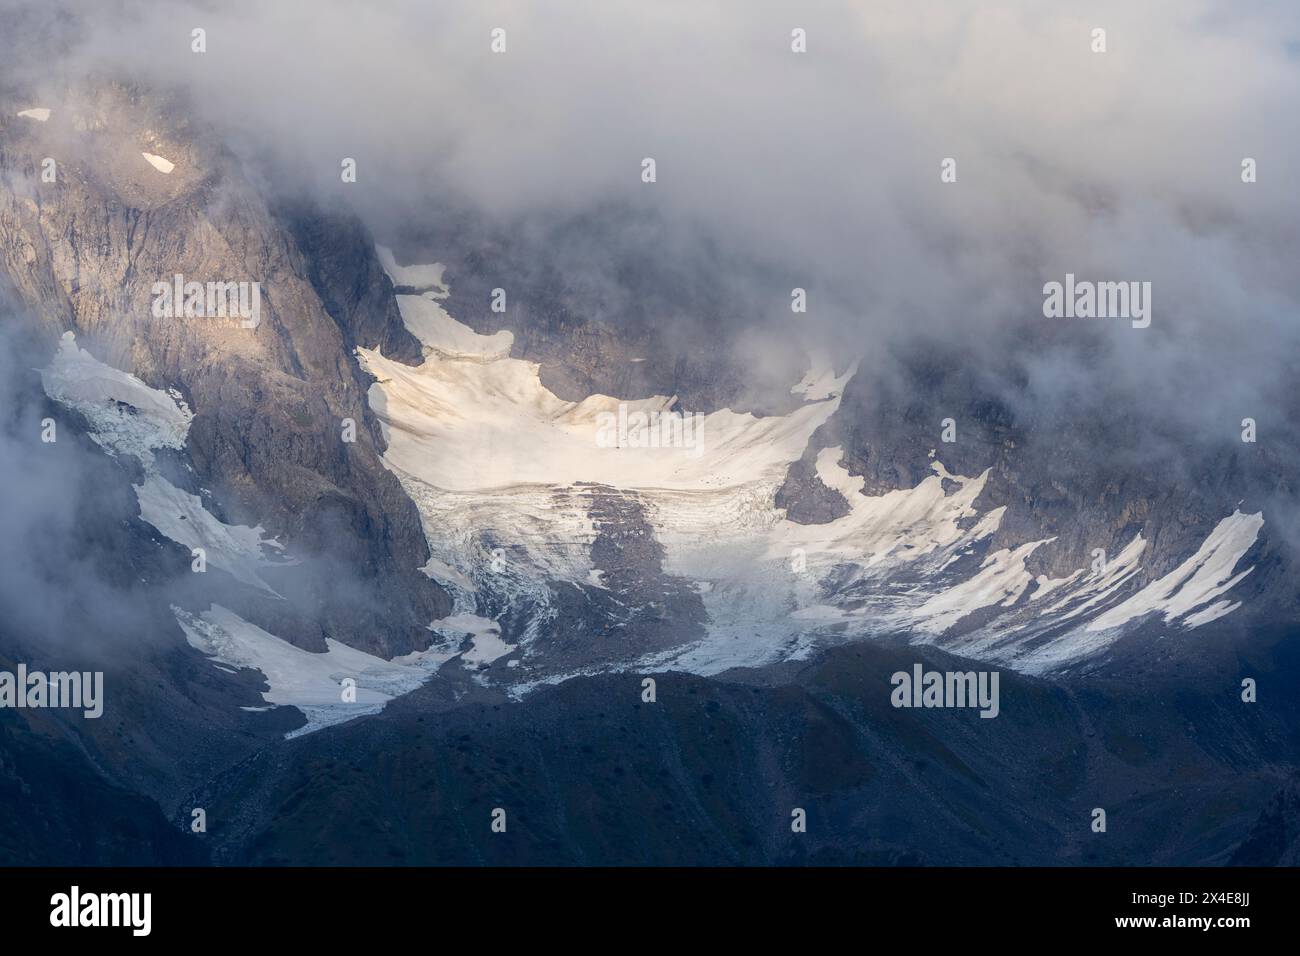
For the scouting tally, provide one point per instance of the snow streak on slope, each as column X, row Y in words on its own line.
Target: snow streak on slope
column 159, row 163
column 128, row 417
column 312, row 682
column 1098, row 604
column 502, row 469
column 1196, row 582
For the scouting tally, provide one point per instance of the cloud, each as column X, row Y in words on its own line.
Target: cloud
column 70, row 581
column 819, row 169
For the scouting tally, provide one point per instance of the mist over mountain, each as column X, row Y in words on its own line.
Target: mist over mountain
column 819, row 170
column 389, row 497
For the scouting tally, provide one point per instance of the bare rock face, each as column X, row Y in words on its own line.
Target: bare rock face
column 338, row 254
column 138, row 200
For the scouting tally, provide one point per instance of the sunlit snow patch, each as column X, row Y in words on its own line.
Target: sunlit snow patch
column 38, row 113
column 126, row 416
column 312, row 682
column 181, row 516
column 471, row 418
column 485, row 634
column 158, row 163
column 820, row 381
column 421, row 278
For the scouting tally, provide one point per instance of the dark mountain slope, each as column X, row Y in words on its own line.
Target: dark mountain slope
column 709, row 774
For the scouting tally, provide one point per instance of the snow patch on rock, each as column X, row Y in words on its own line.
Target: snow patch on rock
column 128, row 417
column 158, row 163
column 1199, row 580
column 312, row 682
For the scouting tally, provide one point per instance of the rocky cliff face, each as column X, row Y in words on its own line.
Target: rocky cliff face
column 281, row 434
